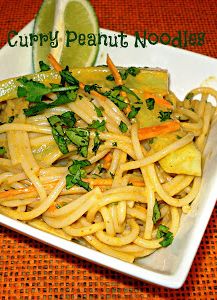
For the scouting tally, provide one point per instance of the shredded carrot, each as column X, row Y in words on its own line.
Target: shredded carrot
column 118, row 81
column 107, row 161
column 54, row 63
column 114, row 70
column 30, row 192
column 153, row 131
column 158, row 100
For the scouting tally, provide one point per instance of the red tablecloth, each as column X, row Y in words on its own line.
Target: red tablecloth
column 31, row 270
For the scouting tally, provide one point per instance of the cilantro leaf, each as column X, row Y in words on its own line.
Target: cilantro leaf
column 189, row 96
column 66, row 77
column 96, row 124
column 97, row 142
column 76, row 174
column 168, row 239
column 164, row 115
column 80, row 138
column 94, row 87
column 123, row 127
column 2, row 150
column 110, row 77
column 134, row 111
column 98, row 111
column 32, row 90
column 163, row 231
column 43, row 66
column 156, row 213
column 11, row 119
column 133, row 71
column 150, row 102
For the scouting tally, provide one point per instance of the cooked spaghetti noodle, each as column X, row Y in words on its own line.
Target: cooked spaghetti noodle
column 113, row 166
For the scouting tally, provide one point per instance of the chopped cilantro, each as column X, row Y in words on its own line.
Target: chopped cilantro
column 11, row 119
column 150, row 102
column 178, row 137
column 164, row 115
column 96, row 124
column 80, row 138
column 123, row 127
column 189, row 96
column 60, row 125
column 114, row 144
column 156, row 213
column 114, row 96
column 98, row 111
column 76, row 174
column 94, row 87
column 133, row 71
column 2, row 150
column 134, row 111
column 66, row 77
column 34, row 91
column 97, row 142
column 163, row 231
column 110, row 77
column 43, row 66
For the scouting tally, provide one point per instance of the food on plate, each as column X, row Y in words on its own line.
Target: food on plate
column 104, row 155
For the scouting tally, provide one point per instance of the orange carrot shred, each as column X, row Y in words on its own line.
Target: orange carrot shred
column 158, row 100
column 153, row 131
column 54, row 63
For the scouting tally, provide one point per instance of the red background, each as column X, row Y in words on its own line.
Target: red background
column 31, row 270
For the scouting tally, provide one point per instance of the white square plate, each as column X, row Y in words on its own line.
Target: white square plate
column 169, row 266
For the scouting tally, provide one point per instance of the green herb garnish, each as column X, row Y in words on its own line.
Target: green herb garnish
column 76, row 174
column 123, row 127
column 134, row 111
column 98, row 111
column 156, row 213
column 43, row 66
column 11, row 119
column 189, row 96
column 97, row 142
column 150, row 102
column 164, row 115
column 96, row 124
column 163, row 231
column 2, row 150
column 94, row 87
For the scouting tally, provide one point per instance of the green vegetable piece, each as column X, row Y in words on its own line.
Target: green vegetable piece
column 76, row 174
column 123, row 127
column 96, row 124
column 98, row 111
column 43, row 66
column 2, row 150
column 150, row 103
column 156, row 213
column 94, row 87
column 79, row 137
column 168, row 239
column 66, row 77
column 189, row 96
column 134, row 111
column 110, row 77
column 97, row 142
column 11, row 119
column 164, row 115
column 32, row 90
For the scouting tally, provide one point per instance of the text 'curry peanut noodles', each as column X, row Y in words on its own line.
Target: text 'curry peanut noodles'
column 102, row 155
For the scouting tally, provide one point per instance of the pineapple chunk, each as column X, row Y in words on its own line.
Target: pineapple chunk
column 186, row 160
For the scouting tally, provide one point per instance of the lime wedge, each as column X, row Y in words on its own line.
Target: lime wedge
column 78, row 18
